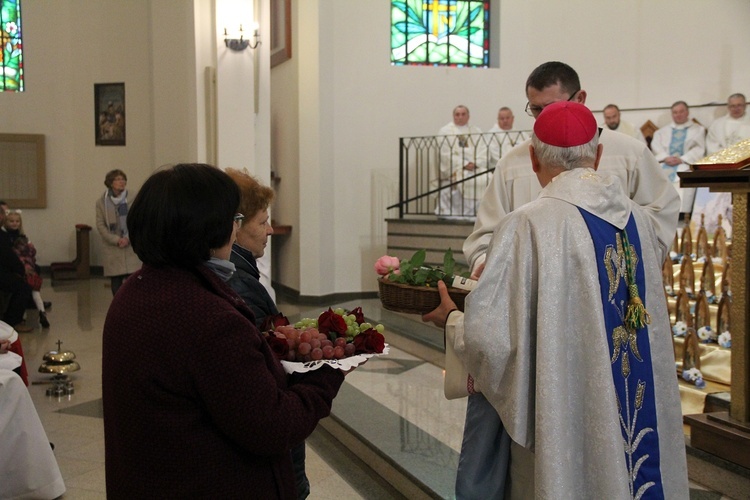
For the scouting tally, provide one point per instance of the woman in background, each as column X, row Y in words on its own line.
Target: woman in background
column 203, row 408
column 118, row 258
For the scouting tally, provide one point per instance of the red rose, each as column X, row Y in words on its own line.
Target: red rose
column 273, row 321
column 359, row 315
column 279, row 346
column 369, row 342
column 329, row 321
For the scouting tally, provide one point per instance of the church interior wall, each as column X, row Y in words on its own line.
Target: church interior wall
column 69, row 45
column 339, row 107
column 636, row 54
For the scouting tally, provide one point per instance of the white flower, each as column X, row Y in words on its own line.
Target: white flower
column 679, row 329
column 695, row 376
column 706, row 334
column 725, row 339
column 692, row 374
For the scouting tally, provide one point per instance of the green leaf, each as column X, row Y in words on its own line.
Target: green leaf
column 448, row 262
column 420, row 278
column 418, row 258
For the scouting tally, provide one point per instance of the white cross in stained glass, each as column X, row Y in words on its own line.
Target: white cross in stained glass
column 433, row 10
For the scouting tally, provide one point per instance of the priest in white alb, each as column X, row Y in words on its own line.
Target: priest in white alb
column 463, row 155
column 567, row 332
column 504, row 138
column 678, row 145
column 731, row 128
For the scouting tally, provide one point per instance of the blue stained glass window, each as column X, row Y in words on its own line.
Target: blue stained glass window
column 11, row 55
column 440, row 32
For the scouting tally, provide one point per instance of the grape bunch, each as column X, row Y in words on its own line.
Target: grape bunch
column 352, row 327
column 308, row 344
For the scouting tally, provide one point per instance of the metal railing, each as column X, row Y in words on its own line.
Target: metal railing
column 446, row 175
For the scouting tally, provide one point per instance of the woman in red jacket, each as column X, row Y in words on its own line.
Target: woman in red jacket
column 196, row 405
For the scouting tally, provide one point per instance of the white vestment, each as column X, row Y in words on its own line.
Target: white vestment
column 628, row 129
column 460, row 146
column 694, row 149
column 502, row 142
column 28, row 468
column 533, row 336
column 727, row 131
column 515, row 184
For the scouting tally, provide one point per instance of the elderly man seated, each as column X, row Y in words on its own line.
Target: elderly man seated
column 729, row 129
column 613, row 121
column 461, row 157
column 678, row 145
column 503, row 140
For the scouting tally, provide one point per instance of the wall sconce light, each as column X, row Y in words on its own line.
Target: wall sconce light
column 241, row 43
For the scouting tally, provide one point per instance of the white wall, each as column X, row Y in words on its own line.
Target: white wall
column 68, row 47
column 353, row 105
column 338, row 107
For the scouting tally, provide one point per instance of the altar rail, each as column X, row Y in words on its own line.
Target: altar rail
column 421, row 160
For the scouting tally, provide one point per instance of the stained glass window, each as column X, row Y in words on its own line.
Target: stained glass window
column 11, row 55
column 440, row 32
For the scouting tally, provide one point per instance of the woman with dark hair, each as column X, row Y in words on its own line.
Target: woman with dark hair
column 202, row 409
column 118, row 258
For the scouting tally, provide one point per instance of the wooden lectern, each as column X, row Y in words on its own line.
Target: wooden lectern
column 727, row 434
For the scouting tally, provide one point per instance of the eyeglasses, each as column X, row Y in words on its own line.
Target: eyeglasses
column 238, row 218
column 533, row 111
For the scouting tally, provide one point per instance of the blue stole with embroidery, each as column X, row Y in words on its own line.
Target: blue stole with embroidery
column 676, row 148
column 630, row 352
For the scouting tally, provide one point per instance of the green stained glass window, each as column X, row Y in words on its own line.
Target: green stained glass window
column 11, row 55
column 440, row 32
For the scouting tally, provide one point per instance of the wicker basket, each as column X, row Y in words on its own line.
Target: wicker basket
column 415, row 299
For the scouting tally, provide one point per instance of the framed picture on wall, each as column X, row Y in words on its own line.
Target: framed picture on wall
column 281, row 31
column 711, row 206
column 109, row 114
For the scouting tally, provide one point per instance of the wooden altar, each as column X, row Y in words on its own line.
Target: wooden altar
column 727, row 434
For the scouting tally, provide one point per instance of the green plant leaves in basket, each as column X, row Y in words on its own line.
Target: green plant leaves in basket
column 414, row 272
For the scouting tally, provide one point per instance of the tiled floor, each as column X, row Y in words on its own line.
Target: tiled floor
column 395, row 401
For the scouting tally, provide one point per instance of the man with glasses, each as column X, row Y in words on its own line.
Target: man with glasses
column 482, row 469
column 514, row 183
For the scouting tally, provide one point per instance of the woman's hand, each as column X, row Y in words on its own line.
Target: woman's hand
column 123, row 242
column 440, row 314
column 4, row 346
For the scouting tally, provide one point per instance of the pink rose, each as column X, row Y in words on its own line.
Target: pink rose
column 386, row 264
